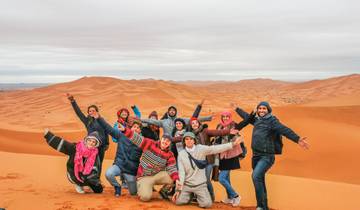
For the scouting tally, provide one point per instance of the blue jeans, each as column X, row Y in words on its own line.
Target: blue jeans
column 208, row 171
column 114, row 171
column 261, row 164
column 224, row 179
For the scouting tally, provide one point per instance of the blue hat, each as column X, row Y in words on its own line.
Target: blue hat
column 265, row 103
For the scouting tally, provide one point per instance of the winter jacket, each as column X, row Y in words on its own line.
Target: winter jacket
column 264, row 128
column 93, row 179
column 128, row 155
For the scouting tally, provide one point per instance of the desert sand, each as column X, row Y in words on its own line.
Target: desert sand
column 32, row 175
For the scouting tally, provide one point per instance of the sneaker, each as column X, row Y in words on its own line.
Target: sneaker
column 164, row 193
column 259, row 208
column 227, row 201
column 124, row 185
column 236, row 201
column 79, row 189
column 117, row 191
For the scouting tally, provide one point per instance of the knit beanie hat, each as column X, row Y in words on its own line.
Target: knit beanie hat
column 166, row 136
column 121, row 110
column 94, row 135
column 180, row 120
column 265, row 103
column 153, row 114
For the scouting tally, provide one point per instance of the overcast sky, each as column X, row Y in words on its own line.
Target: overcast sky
column 62, row 40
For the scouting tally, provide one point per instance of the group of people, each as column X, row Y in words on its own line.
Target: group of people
column 184, row 160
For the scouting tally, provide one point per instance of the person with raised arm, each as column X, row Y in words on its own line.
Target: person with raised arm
column 265, row 144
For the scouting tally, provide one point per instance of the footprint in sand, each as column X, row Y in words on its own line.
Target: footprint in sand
column 65, row 205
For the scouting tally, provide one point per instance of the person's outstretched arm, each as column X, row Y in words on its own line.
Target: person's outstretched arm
column 77, row 109
column 222, row 132
column 283, row 130
column 246, row 121
column 59, row 143
column 136, row 111
column 140, row 141
column 290, row 134
column 198, row 109
column 215, row 149
column 153, row 121
column 115, row 133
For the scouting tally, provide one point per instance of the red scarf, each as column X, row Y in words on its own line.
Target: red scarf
column 83, row 152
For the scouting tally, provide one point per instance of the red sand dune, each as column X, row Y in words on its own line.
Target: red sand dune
column 326, row 111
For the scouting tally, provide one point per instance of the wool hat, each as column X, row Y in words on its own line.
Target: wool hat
column 121, row 110
column 94, row 135
column 166, row 136
column 265, row 103
column 153, row 114
column 180, row 120
column 189, row 134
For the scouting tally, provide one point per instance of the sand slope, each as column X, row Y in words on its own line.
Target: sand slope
column 25, row 183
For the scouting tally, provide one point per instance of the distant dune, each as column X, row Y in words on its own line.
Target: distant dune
column 326, row 111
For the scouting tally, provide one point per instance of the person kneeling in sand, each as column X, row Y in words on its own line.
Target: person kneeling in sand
column 84, row 164
column 127, row 156
column 157, row 163
column 192, row 163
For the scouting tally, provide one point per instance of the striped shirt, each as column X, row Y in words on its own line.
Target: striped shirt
column 153, row 159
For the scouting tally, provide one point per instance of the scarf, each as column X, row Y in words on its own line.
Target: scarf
column 83, row 152
column 229, row 121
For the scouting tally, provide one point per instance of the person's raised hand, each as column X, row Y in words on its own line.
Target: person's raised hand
column 46, row 130
column 303, row 143
column 70, row 97
column 238, row 140
column 233, row 131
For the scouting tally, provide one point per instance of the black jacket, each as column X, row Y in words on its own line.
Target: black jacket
column 92, row 180
column 92, row 125
column 264, row 128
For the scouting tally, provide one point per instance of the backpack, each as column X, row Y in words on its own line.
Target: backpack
column 278, row 144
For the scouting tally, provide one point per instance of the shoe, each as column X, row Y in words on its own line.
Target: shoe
column 227, row 201
column 79, row 189
column 124, row 185
column 117, row 191
column 259, row 208
column 236, row 201
column 164, row 194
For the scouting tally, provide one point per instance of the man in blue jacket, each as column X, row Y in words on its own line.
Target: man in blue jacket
column 127, row 157
column 264, row 147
